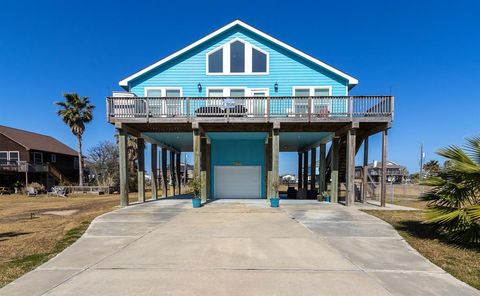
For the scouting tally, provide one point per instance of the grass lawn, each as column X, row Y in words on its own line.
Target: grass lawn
column 460, row 261
column 34, row 229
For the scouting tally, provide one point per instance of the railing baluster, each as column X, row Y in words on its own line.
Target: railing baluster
column 310, row 107
column 147, row 108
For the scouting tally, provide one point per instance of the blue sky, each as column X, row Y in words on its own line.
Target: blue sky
column 426, row 53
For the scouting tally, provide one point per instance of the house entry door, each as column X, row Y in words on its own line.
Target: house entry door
column 258, row 107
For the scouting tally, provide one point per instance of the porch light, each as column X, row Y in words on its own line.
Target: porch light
column 199, row 86
column 275, row 86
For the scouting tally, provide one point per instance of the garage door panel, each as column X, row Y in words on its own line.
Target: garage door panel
column 237, row 181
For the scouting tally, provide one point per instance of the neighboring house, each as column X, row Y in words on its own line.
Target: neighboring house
column 395, row 173
column 39, row 158
column 288, row 178
column 236, row 99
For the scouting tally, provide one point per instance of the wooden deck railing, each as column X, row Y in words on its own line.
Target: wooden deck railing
column 253, row 107
column 23, row 166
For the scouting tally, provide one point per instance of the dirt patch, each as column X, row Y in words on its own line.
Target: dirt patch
column 62, row 212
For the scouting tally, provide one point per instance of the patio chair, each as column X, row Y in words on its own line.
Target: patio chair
column 31, row 191
column 238, row 111
column 57, row 191
column 3, row 190
column 210, row 111
column 322, row 111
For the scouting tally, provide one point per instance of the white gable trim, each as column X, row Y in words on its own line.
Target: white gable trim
column 226, row 59
column 351, row 80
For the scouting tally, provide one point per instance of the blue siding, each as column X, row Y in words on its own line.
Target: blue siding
column 286, row 68
column 237, row 152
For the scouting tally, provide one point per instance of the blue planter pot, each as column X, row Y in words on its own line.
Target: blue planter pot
column 326, row 199
column 196, row 202
column 274, row 202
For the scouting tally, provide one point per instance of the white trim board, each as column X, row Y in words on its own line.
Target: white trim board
column 351, row 80
column 248, row 62
column 311, row 90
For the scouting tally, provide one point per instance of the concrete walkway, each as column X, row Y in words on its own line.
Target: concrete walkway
column 238, row 248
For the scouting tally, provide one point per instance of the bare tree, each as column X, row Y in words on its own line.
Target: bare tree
column 103, row 162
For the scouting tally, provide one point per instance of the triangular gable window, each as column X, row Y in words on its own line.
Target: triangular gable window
column 237, row 58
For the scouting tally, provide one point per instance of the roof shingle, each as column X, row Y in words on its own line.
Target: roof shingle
column 34, row 141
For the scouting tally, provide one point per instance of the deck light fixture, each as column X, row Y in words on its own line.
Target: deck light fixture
column 199, row 86
column 275, row 86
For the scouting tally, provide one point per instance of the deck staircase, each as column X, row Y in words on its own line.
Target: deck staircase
column 342, row 161
column 57, row 174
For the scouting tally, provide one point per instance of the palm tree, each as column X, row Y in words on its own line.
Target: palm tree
column 132, row 148
column 432, row 168
column 454, row 201
column 75, row 112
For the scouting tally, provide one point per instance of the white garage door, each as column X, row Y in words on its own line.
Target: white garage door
column 237, row 181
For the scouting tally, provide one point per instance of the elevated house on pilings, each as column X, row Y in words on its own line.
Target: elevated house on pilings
column 236, row 99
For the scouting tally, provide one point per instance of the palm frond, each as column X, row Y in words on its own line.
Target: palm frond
column 454, row 201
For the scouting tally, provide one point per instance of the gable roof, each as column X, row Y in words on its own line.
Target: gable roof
column 351, row 80
column 34, row 141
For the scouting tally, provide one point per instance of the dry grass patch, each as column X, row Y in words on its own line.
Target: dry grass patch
column 34, row 229
column 463, row 262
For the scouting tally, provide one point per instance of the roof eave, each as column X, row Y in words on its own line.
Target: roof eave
column 351, row 80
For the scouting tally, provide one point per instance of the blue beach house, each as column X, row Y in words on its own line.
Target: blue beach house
column 236, row 99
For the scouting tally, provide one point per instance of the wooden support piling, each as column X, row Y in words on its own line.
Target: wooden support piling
column 334, row 168
column 178, row 180
column 172, row 171
column 141, row 169
column 305, row 170
column 123, row 166
column 365, row 171
column 154, row 163
column 275, row 157
column 322, row 169
column 164, row 173
column 313, row 168
column 300, row 171
column 383, row 188
column 350, row 199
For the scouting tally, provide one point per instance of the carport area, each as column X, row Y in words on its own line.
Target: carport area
column 240, row 159
column 238, row 247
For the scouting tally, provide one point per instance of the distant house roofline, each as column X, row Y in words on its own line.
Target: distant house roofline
column 351, row 80
column 35, row 141
column 390, row 164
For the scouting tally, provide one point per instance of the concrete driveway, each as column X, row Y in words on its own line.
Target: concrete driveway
column 238, row 248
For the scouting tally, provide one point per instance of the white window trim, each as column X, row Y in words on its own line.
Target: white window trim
column 252, row 90
column 8, row 156
column 41, row 157
column 227, row 89
column 163, row 94
column 163, row 90
column 207, row 65
column 53, row 158
column 10, row 152
column 248, row 59
column 311, row 94
column 226, row 92
column 248, row 93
